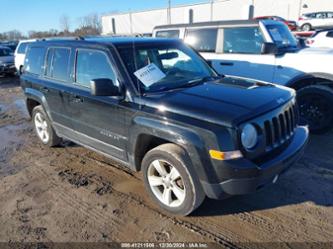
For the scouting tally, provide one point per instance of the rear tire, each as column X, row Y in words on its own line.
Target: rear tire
column 43, row 127
column 306, row 27
column 170, row 180
column 316, row 107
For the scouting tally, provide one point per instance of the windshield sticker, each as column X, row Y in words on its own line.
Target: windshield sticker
column 149, row 75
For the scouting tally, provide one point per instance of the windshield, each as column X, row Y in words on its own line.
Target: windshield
column 5, row 52
column 281, row 36
column 163, row 67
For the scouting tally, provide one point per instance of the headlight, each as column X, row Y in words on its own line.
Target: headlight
column 249, row 136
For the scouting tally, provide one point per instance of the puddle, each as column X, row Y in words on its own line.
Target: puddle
column 10, row 143
column 20, row 104
column 8, row 135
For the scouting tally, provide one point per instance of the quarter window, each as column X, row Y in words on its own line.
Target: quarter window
column 246, row 40
column 203, row 40
column 34, row 60
column 22, row 48
column 92, row 65
column 330, row 34
column 168, row 34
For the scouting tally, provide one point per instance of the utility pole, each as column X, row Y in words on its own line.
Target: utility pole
column 300, row 8
column 169, row 12
column 211, row 10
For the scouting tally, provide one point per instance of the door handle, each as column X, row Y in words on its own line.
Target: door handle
column 226, row 63
column 76, row 99
column 44, row 90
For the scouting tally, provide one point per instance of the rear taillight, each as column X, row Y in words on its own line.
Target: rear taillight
column 300, row 19
column 309, row 42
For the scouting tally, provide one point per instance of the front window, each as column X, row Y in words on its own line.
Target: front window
column 91, row 65
column 281, row 36
column 244, row 40
column 5, row 52
column 164, row 67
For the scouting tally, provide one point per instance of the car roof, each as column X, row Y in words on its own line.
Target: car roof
column 4, row 47
column 213, row 23
column 106, row 41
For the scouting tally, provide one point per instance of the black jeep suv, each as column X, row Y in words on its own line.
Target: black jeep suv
column 156, row 106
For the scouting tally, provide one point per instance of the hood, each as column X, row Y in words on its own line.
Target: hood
column 227, row 102
column 7, row 59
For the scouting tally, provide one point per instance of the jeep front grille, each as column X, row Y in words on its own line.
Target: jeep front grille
column 280, row 128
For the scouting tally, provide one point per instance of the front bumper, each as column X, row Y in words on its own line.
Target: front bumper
column 261, row 175
column 7, row 68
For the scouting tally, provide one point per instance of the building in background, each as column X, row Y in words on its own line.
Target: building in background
column 143, row 22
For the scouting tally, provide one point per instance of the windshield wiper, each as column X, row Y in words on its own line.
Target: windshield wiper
column 202, row 80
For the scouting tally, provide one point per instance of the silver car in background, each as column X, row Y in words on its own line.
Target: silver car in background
column 316, row 20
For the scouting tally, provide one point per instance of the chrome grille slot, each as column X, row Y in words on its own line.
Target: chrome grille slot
column 280, row 128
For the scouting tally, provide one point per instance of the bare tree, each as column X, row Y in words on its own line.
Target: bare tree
column 64, row 23
column 89, row 25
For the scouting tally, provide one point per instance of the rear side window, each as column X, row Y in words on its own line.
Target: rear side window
column 168, row 34
column 202, row 40
column 58, row 63
column 246, row 40
column 35, row 60
column 92, row 65
column 330, row 34
column 22, row 48
column 330, row 15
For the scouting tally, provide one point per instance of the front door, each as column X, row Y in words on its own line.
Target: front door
column 98, row 121
column 240, row 54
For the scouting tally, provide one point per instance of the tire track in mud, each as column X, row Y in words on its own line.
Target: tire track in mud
column 218, row 238
column 72, row 201
column 121, row 172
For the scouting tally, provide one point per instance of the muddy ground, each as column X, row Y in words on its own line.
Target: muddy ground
column 72, row 194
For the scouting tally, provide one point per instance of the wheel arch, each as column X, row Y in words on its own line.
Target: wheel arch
column 311, row 79
column 34, row 98
column 148, row 133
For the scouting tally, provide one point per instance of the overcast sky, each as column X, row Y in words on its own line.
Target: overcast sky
column 43, row 15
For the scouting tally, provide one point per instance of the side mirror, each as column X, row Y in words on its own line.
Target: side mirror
column 269, row 48
column 103, row 87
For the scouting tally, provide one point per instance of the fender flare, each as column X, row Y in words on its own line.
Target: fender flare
column 307, row 76
column 36, row 95
column 182, row 136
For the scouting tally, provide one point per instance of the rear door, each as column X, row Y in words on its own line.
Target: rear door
column 98, row 121
column 330, row 19
column 320, row 21
column 57, row 84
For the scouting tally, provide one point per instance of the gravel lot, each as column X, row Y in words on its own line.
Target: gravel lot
column 72, row 194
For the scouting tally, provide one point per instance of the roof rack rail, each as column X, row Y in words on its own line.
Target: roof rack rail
column 60, row 38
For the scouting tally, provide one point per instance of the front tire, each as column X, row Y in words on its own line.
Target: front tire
column 306, row 27
column 316, row 107
column 170, row 180
column 43, row 127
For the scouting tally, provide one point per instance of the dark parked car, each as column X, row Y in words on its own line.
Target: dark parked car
column 156, row 106
column 6, row 61
column 292, row 25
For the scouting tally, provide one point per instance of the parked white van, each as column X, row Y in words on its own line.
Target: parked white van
column 20, row 54
column 266, row 50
